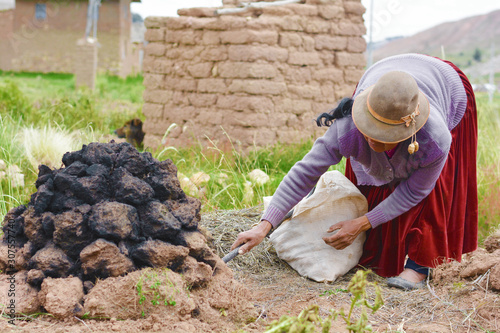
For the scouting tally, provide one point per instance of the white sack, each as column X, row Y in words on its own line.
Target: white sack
column 299, row 242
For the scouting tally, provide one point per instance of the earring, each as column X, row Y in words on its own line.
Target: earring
column 411, row 148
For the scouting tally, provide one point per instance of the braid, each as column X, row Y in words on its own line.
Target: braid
column 343, row 109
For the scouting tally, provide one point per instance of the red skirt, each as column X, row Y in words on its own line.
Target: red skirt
column 443, row 225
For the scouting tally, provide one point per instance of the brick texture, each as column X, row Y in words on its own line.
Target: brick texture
column 256, row 78
column 49, row 45
column 85, row 63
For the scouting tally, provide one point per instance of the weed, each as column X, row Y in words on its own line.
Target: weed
column 26, row 317
column 488, row 164
column 157, row 288
column 13, row 101
column 458, row 285
column 309, row 320
column 333, row 292
column 357, row 287
column 306, row 322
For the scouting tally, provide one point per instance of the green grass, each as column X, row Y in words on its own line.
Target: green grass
column 56, row 85
column 229, row 193
column 465, row 58
column 51, row 101
column 488, row 164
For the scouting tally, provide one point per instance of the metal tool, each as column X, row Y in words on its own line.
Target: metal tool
column 231, row 255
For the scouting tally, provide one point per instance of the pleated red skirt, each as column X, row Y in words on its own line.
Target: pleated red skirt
column 442, row 226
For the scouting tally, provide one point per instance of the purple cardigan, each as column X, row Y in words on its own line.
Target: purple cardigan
column 416, row 174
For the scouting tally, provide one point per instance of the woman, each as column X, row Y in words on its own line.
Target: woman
column 410, row 137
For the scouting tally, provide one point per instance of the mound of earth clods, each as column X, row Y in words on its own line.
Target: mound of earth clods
column 481, row 266
column 112, row 234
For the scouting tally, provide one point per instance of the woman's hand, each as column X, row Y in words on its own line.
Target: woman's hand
column 252, row 237
column 347, row 232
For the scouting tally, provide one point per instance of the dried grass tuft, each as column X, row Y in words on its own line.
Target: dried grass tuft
column 224, row 227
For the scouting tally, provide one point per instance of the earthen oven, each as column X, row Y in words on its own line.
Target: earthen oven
column 255, row 78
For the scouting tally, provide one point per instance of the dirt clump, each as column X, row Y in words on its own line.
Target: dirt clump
column 492, row 243
column 62, row 297
column 481, row 266
column 24, row 298
column 103, row 258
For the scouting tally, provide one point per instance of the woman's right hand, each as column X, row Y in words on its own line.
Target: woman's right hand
column 252, row 237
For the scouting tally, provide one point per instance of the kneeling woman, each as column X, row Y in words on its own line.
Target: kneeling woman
column 410, row 136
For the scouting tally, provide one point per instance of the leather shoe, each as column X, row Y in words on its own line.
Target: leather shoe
column 399, row 282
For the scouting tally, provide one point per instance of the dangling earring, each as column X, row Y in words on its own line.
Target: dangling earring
column 413, row 146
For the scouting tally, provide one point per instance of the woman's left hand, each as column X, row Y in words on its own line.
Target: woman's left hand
column 347, row 232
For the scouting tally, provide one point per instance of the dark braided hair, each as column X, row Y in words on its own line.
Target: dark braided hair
column 342, row 110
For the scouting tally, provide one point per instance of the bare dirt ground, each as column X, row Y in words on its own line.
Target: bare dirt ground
column 453, row 301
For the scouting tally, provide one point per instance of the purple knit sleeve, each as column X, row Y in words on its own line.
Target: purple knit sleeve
column 408, row 193
column 303, row 176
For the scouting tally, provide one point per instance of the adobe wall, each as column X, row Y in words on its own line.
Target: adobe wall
column 257, row 78
column 49, row 45
column 6, row 31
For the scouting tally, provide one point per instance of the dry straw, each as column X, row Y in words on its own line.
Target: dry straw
column 457, row 306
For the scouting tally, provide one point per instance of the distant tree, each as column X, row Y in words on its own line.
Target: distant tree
column 137, row 18
column 477, row 55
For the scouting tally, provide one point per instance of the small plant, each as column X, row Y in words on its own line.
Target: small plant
column 333, row 292
column 357, row 287
column 306, row 322
column 309, row 321
column 149, row 286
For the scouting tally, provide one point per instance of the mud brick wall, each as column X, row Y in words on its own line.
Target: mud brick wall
column 48, row 45
column 6, row 31
column 85, row 63
column 257, row 78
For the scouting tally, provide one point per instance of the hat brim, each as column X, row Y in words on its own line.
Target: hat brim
column 382, row 132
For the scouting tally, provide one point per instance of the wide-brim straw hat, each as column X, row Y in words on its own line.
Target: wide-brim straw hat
column 392, row 110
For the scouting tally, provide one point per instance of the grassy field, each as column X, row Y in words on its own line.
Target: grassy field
column 42, row 116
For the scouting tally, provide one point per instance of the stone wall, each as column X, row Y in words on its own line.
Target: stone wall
column 254, row 78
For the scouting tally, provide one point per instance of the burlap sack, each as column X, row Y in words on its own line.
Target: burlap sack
column 299, row 241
